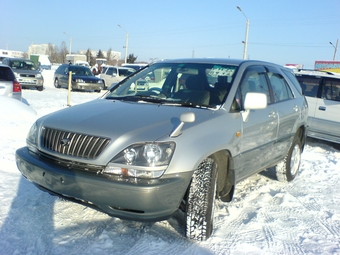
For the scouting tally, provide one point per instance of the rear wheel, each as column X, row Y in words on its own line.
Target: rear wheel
column 288, row 168
column 199, row 212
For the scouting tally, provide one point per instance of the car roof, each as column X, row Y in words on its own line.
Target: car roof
column 3, row 65
column 120, row 67
column 20, row 59
column 224, row 61
column 320, row 73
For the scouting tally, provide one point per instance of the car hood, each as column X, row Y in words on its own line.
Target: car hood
column 123, row 122
column 25, row 71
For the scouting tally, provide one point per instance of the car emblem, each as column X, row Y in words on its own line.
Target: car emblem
column 65, row 142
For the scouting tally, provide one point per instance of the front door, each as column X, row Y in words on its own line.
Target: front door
column 259, row 132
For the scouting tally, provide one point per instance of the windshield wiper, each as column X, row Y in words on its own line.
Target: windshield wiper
column 136, row 98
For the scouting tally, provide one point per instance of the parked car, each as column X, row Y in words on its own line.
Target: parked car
column 322, row 91
column 26, row 72
column 9, row 86
column 82, row 78
column 114, row 74
column 142, row 155
column 135, row 66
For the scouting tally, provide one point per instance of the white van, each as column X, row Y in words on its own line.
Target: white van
column 322, row 91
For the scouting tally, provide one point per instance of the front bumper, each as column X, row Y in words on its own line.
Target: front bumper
column 31, row 82
column 87, row 86
column 150, row 200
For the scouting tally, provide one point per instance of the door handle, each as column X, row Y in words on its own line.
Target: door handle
column 322, row 108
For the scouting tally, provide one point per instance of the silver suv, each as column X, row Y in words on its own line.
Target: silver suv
column 201, row 127
column 322, row 91
column 26, row 72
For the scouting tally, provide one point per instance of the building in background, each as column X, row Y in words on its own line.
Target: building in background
column 11, row 54
column 40, row 49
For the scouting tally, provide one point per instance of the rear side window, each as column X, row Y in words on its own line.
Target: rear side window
column 6, row 74
column 293, row 80
column 309, row 84
column 331, row 89
column 125, row 72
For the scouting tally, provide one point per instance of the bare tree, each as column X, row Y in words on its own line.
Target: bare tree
column 131, row 58
column 63, row 51
column 111, row 57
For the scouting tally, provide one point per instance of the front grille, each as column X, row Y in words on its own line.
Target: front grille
column 75, row 165
column 27, row 75
column 73, row 144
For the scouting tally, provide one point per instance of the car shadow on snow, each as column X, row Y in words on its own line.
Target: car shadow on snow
column 40, row 223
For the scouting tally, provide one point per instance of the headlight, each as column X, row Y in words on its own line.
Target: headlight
column 100, row 81
column 32, row 137
column 146, row 160
column 80, row 80
column 38, row 75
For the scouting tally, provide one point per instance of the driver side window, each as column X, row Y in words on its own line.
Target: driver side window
column 254, row 80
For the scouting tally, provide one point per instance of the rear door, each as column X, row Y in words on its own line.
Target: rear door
column 288, row 107
column 310, row 87
column 327, row 110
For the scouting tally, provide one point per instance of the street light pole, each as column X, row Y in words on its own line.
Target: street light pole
column 70, row 42
column 246, row 37
column 335, row 48
column 126, row 43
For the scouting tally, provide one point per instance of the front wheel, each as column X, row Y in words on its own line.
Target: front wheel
column 199, row 211
column 56, row 83
column 288, row 168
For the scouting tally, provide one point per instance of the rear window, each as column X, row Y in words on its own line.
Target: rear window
column 309, row 84
column 6, row 74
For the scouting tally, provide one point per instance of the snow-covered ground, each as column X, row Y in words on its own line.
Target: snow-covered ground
column 265, row 217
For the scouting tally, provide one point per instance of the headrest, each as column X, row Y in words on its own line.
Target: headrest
column 193, row 82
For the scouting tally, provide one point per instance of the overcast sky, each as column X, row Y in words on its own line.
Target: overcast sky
column 283, row 32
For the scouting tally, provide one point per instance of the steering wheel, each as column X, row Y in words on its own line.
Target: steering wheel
column 158, row 92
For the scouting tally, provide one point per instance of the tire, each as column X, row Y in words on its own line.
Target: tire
column 56, row 83
column 98, row 91
column 200, row 201
column 40, row 88
column 288, row 168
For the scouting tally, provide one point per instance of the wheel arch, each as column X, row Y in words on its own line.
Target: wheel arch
column 302, row 134
column 225, row 174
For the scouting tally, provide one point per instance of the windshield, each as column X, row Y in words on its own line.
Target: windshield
column 188, row 84
column 80, row 70
column 24, row 65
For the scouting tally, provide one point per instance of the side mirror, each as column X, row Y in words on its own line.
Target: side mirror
column 253, row 101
